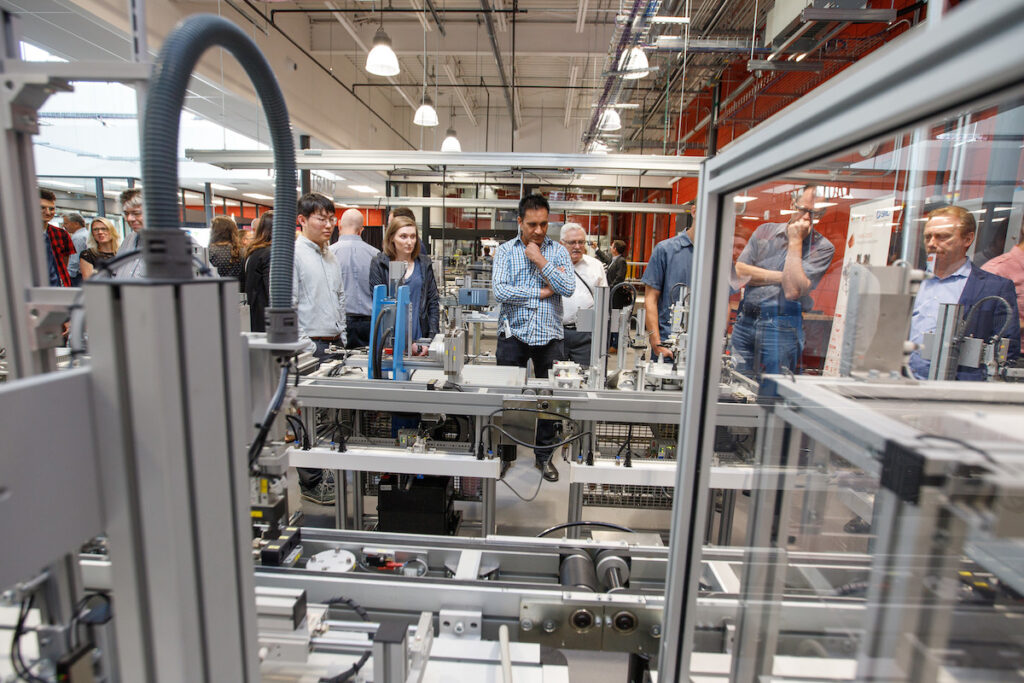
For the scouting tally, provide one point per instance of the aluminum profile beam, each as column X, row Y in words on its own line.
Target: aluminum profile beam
column 765, row 65
column 469, row 203
column 388, row 160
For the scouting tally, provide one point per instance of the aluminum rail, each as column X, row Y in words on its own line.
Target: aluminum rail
column 386, row 160
column 468, row 203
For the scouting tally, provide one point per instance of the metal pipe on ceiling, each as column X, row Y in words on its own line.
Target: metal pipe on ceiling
column 489, row 25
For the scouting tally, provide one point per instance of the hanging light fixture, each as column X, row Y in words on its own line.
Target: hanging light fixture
column 426, row 115
column 609, row 120
column 382, row 60
column 634, row 61
column 451, row 142
column 597, row 147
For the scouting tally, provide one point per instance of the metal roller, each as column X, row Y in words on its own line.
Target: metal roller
column 577, row 572
column 613, row 570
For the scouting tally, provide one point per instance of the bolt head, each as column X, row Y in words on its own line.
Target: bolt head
column 549, row 626
column 526, row 624
column 656, row 630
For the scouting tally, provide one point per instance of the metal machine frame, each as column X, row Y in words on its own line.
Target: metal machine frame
column 964, row 55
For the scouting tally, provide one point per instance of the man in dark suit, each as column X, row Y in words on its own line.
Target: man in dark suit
column 948, row 234
column 615, row 272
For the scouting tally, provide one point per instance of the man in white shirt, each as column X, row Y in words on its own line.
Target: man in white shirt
column 354, row 257
column 589, row 274
column 317, row 291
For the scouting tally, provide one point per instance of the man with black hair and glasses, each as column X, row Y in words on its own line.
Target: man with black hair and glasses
column 780, row 264
column 530, row 276
column 318, row 290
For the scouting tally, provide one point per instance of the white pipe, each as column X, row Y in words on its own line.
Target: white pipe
column 506, row 655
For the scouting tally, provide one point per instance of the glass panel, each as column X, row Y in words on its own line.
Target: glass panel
column 859, row 283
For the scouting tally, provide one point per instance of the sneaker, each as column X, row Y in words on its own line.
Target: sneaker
column 323, row 493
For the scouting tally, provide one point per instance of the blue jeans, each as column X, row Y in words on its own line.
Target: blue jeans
column 767, row 344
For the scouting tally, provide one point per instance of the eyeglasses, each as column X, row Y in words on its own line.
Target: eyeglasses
column 96, row 230
column 575, row 243
column 325, row 218
column 813, row 213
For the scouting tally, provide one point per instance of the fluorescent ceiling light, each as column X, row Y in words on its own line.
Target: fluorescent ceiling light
column 330, row 176
column 426, row 115
column 257, row 195
column 381, row 61
column 787, row 212
column 670, row 20
column 750, row 218
column 60, row 183
column 609, row 120
column 451, row 142
column 1003, row 208
column 624, row 105
column 634, row 61
column 225, row 188
column 822, row 205
column 361, row 188
column 742, row 198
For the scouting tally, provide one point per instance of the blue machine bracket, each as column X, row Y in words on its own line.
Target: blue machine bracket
column 382, row 301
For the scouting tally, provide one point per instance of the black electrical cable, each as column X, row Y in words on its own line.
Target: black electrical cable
column 299, row 429
column 971, row 314
column 351, row 672
column 271, row 415
column 377, row 349
column 566, row 525
column 108, row 266
column 21, row 670
column 616, row 288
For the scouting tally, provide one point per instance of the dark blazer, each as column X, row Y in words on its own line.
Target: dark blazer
column 991, row 315
column 616, row 273
column 257, row 287
column 430, row 300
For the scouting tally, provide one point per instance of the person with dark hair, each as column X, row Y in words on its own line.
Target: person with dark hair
column 531, row 275
column 256, row 267
column 131, row 209
column 948, row 235
column 226, row 248
column 615, row 272
column 354, row 257
column 781, row 264
column 396, row 211
column 74, row 225
column 59, row 247
column 318, row 292
column 402, row 243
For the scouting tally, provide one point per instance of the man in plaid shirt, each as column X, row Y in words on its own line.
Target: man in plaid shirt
column 530, row 275
column 58, row 242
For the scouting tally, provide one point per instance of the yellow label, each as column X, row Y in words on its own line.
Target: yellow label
column 258, row 514
column 264, row 485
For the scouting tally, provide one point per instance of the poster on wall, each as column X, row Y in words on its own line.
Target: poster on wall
column 867, row 241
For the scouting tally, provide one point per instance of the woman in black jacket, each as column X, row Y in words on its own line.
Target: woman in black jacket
column 257, row 272
column 402, row 243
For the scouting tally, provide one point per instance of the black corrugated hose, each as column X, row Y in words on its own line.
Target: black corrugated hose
column 165, row 99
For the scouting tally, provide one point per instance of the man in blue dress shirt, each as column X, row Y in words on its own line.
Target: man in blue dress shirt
column 530, row 276
column 354, row 257
column 671, row 264
column 948, row 235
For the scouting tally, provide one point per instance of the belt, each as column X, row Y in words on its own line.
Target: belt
column 569, row 326
column 336, row 337
column 771, row 310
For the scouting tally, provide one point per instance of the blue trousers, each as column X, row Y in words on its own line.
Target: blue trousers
column 767, row 344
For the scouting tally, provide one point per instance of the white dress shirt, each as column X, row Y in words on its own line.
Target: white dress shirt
column 317, row 291
column 591, row 271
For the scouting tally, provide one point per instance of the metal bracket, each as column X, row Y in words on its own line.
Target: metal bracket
column 463, row 624
column 47, row 309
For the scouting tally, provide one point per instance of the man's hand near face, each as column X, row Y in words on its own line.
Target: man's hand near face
column 798, row 230
column 533, row 253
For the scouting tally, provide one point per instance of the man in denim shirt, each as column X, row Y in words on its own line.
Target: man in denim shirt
column 781, row 264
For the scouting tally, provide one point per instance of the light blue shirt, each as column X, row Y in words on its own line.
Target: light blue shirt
column 517, row 282
column 317, row 291
column 78, row 238
column 933, row 292
column 354, row 257
column 670, row 264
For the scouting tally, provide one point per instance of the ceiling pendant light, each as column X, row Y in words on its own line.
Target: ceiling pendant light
column 609, row 120
column 634, row 63
column 382, row 60
column 426, row 115
column 451, row 142
column 597, row 147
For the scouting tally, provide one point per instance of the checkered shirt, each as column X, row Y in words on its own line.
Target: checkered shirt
column 517, row 283
column 62, row 247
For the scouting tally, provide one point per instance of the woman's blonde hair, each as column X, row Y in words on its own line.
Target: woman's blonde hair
column 396, row 224
column 90, row 241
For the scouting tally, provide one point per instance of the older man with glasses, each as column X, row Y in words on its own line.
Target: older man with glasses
column 780, row 265
column 589, row 274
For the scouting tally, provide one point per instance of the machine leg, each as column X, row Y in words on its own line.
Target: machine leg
column 340, row 499
column 489, row 522
column 725, row 522
column 357, row 500
column 575, row 509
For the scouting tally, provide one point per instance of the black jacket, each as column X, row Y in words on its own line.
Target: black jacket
column 430, row 300
column 257, row 287
column 616, row 273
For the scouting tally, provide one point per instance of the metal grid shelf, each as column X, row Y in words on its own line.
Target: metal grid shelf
column 622, row 496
